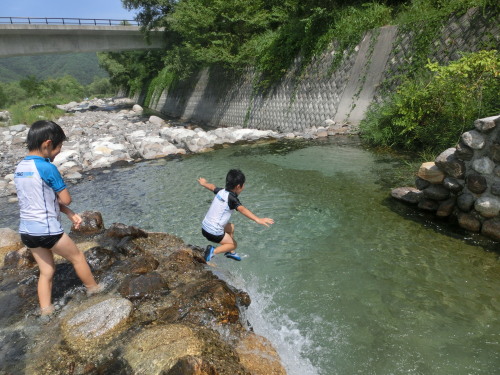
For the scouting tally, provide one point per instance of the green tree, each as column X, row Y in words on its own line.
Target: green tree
column 31, row 85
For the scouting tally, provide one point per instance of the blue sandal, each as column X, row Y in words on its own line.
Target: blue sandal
column 209, row 253
column 233, row 256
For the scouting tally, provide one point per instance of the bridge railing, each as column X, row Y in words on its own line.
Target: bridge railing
column 66, row 21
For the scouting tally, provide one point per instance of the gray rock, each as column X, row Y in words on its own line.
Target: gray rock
column 454, row 185
column 464, row 152
column 18, row 128
column 495, row 189
column 450, row 164
column 465, row 202
column 407, row 194
column 483, row 165
column 487, row 206
column 421, row 184
column 473, row 139
column 436, row 192
column 495, row 152
column 487, row 124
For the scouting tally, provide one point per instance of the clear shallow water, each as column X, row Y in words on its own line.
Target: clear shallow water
column 346, row 281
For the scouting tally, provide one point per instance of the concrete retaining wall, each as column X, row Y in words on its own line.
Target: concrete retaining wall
column 296, row 103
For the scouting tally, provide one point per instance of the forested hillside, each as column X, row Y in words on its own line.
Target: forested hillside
column 83, row 66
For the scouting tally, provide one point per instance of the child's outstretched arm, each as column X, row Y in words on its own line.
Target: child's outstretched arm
column 206, row 184
column 262, row 221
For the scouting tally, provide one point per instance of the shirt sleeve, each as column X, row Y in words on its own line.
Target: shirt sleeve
column 216, row 190
column 233, row 201
column 50, row 174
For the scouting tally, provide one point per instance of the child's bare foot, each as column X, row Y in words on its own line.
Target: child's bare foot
column 49, row 310
column 95, row 289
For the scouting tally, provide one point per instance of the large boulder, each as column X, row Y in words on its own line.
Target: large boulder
column 258, row 356
column 157, row 349
column 95, row 322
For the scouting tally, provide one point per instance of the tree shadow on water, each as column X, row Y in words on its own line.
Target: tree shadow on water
column 445, row 226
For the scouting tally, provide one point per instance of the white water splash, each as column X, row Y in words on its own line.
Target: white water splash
column 270, row 321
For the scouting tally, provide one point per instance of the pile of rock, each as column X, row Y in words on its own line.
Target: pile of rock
column 463, row 182
column 100, row 137
column 163, row 311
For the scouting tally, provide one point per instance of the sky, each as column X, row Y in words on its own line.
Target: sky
column 105, row 9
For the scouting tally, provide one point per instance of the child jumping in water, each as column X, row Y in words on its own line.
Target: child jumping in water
column 216, row 226
column 42, row 197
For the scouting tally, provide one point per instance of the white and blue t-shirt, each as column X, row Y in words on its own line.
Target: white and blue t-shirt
column 37, row 182
column 220, row 211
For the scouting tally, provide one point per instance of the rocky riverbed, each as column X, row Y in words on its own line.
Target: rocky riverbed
column 163, row 311
column 102, row 134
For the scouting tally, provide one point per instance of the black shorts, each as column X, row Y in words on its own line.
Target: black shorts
column 212, row 237
column 46, row 242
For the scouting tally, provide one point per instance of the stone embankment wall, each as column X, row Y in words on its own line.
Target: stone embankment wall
column 319, row 97
column 463, row 182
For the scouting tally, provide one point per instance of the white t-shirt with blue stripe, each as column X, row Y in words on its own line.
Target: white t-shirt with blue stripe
column 37, row 182
column 219, row 213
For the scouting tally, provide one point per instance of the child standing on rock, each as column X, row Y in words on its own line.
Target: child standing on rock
column 42, row 197
column 216, row 226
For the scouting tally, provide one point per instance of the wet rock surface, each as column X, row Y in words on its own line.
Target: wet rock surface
column 162, row 311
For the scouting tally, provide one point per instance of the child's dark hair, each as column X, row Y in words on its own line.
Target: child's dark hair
column 43, row 130
column 234, row 178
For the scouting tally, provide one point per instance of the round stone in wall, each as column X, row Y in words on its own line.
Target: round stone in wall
column 450, row 164
column 495, row 189
column 473, row 139
column 454, row 185
column 483, row 165
column 487, row 124
column 436, row 192
column 495, row 152
column 464, row 152
column 421, row 184
column 487, row 206
column 491, row 228
column 469, row 222
column 465, row 202
column 477, row 183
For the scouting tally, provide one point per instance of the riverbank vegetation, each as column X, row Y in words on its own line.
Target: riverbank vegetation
column 431, row 110
column 271, row 36
column 23, row 98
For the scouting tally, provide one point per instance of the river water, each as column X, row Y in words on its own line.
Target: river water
column 346, row 281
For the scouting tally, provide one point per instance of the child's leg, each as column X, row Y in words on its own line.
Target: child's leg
column 45, row 261
column 66, row 248
column 228, row 243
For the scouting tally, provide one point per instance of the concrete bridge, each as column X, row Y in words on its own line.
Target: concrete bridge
column 18, row 39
